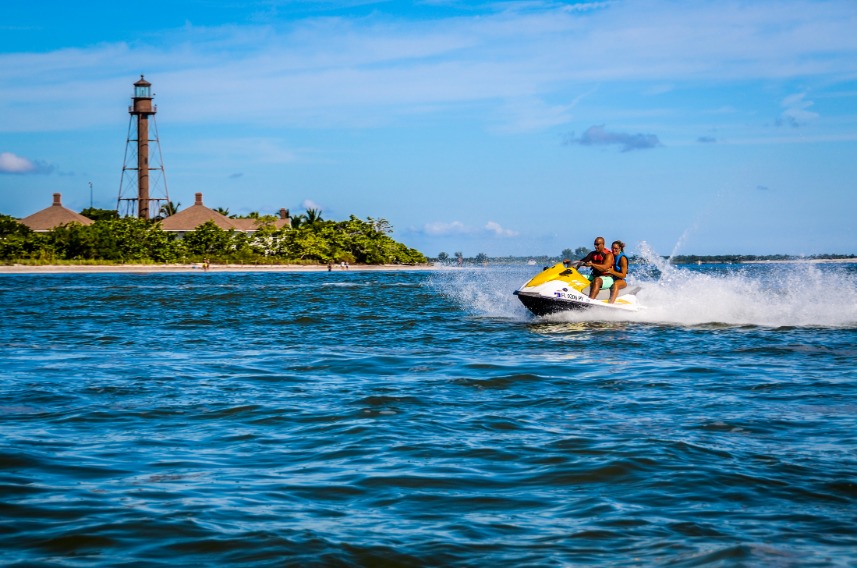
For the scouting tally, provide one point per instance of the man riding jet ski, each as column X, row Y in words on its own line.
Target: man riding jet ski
column 561, row 287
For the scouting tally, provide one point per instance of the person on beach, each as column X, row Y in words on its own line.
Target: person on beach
column 619, row 271
column 600, row 260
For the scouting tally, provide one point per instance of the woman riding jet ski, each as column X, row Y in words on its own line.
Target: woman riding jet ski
column 561, row 287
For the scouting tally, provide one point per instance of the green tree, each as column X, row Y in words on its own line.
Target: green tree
column 442, row 256
column 124, row 240
column 298, row 220
column 313, row 216
column 209, row 240
column 131, row 239
column 306, row 244
column 17, row 241
column 100, row 214
column 169, row 208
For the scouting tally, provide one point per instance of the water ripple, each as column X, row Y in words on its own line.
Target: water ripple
column 413, row 419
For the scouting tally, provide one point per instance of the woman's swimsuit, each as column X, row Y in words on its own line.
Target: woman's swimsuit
column 617, row 265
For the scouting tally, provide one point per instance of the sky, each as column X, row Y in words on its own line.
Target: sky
column 505, row 128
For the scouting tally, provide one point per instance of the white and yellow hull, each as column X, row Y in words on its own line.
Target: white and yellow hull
column 560, row 288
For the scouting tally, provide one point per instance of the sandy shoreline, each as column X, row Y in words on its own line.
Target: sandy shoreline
column 162, row 268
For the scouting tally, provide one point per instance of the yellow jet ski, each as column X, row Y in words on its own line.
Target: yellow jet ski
column 561, row 287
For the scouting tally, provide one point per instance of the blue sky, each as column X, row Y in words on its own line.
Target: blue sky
column 516, row 128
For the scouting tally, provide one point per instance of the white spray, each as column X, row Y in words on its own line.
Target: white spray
column 799, row 294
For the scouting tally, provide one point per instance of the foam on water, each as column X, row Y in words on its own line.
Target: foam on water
column 801, row 294
column 484, row 291
column 772, row 295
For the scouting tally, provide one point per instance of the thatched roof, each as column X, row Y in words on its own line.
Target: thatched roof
column 54, row 216
column 196, row 215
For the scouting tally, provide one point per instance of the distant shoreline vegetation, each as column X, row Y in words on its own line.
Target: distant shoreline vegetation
column 130, row 240
column 458, row 258
column 544, row 260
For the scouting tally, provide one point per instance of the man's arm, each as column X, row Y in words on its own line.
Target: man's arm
column 583, row 260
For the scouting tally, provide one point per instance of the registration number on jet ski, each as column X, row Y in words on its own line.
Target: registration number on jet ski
column 570, row 296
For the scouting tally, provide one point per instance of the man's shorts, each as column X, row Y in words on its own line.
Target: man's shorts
column 606, row 281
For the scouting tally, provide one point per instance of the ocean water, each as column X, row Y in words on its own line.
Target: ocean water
column 425, row 418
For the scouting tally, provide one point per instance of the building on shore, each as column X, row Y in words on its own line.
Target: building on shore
column 54, row 216
column 182, row 222
column 198, row 214
column 141, row 196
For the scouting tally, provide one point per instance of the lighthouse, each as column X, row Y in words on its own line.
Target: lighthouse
column 144, row 162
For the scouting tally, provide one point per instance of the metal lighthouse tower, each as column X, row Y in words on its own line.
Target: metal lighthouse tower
column 143, row 188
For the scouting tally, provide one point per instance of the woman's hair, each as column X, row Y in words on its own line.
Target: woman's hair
column 620, row 243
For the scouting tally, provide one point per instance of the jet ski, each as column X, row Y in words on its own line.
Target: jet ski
column 561, row 287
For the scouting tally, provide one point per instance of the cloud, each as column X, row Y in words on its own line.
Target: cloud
column 531, row 114
column 762, row 187
column 597, row 135
column 12, row 164
column 310, row 204
column 457, row 228
column 376, row 69
column 495, row 228
column 706, row 139
column 236, row 175
column 439, row 228
column 796, row 113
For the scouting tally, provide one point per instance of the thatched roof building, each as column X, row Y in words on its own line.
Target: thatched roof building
column 198, row 214
column 182, row 222
column 54, row 216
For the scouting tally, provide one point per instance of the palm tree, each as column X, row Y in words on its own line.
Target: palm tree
column 298, row 220
column 222, row 211
column 313, row 216
column 169, row 208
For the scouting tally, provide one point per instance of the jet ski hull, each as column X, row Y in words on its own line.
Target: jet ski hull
column 542, row 306
column 560, row 289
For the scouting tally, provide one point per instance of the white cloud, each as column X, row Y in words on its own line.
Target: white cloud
column 796, row 111
column 440, row 228
column 495, row 228
column 310, row 204
column 12, row 164
column 320, row 71
column 247, row 150
column 532, row 114
column 457, row 228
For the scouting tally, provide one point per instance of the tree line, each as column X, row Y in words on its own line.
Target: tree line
column 131, row 240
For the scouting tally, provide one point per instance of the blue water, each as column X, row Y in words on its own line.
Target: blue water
column 426, row 419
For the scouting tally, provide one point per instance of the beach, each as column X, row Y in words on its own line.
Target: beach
column 197, row 267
